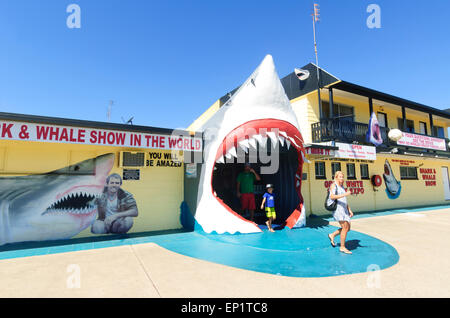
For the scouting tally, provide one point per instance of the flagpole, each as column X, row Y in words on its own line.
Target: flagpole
column 315, row 45
column 315, row 17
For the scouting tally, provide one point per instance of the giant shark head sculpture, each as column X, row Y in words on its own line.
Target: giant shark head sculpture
column 55, row 205
column 257, row 111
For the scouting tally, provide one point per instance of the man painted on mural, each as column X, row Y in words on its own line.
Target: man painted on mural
column 116, row 208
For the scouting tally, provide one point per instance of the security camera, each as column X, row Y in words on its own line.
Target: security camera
column 301, row 74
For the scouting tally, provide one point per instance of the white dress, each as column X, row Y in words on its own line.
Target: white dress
column 341, row 213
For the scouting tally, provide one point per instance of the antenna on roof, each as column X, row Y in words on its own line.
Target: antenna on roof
column 108, row 112
column 129, row 121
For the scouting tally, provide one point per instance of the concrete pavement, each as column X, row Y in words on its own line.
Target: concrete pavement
column 148, row 270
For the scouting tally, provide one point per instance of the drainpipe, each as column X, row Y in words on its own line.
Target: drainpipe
column 309, row 187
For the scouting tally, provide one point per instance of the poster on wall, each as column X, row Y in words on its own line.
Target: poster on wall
column 191, row 170
column 353, row 151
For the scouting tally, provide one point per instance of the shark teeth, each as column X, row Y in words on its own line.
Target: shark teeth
column 273, row 137
column 259, row 139
column 77, row 203
column 262, row 141
column 252, row 142
column 244, row 144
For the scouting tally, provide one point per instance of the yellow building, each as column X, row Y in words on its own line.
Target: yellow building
column 410, row 172
column 64, row 178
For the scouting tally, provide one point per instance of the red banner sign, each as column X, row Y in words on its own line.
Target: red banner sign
column 90, row 136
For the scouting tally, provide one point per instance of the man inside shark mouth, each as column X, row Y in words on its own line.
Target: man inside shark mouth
column 274, row 149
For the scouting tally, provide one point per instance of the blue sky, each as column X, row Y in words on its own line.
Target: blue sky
column 165, row 62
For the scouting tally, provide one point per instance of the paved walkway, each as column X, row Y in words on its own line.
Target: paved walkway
column 148, row 270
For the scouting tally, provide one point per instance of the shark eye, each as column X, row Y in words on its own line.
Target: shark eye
column 76, row 168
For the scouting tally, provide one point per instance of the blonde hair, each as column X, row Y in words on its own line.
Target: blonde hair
column 337, row 173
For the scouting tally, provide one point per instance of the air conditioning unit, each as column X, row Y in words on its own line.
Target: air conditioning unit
column 132, row 159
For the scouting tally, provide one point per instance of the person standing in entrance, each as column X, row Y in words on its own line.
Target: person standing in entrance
column 343, row 213
column 269, row 201
column 245, row 182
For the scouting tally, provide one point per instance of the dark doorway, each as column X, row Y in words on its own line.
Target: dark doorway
column 286, row 198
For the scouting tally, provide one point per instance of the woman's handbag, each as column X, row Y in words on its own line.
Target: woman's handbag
column 332, row 207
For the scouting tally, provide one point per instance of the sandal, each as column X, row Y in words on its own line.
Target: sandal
column 331, row 241
column 346, row 251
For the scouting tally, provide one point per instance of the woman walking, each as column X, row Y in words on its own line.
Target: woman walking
column 343, row 213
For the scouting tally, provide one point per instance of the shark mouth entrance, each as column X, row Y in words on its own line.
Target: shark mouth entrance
column 78, row 204
column 261, row 143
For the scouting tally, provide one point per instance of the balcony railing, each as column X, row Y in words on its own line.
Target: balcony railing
column 343, row 130
column 348, row 131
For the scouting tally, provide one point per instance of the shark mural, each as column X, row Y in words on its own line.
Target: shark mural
column 258, row 111
column 393, row 187
column 54, row 205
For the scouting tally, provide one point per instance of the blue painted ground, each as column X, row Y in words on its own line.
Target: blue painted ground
column 304, row 252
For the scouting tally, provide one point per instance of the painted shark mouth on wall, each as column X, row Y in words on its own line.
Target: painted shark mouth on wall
column 54, row 205
column 257, row 112
column 78, row 203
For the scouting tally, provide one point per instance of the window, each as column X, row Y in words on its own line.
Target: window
column 339, row 111
column 351, row 171
column 409, row 125
column 345, row 113
column 423, row 128
column 320, row 170
column 382, row 119
column 364, row 171
column 335, row 166
column 438, row 132
column 408, row 173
